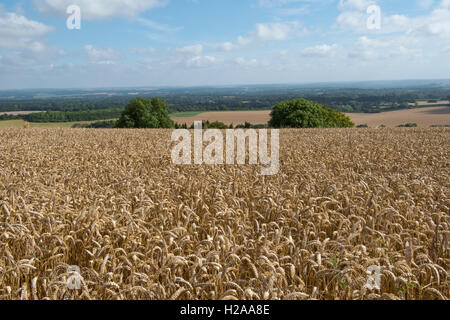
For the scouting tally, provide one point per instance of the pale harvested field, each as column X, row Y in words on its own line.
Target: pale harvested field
column 22, row 123
column 424, row 117
column 112, row 203
column 426, row 103
column 17, row 113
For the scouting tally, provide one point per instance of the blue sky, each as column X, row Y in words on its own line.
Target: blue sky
column 220, row 42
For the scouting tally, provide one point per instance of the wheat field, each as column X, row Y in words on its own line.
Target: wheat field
column 138, row 227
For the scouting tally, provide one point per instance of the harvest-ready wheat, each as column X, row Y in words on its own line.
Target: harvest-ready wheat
column 138, row 227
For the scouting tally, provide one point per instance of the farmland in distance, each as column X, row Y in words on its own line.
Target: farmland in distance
column 424, row 117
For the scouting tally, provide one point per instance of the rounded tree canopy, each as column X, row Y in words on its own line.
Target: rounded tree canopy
column 143, row 113
column 301, row 113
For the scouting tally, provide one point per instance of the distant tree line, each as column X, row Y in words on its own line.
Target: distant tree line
column 109, row 124
column 5, row 116
column 68, row 116
column 72, row 116
column 341, row 99
column 408, row 125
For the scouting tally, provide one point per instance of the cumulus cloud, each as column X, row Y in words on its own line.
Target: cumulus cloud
column 359, row 5
column 18, row 32
column 191, row 57
column 144, row 51
column 245, row 62
column 180, row 59
column 319, row 51
column 354, row 17
column 100, row 9
column 425, row 4
column 280, row 3
column 99, row 55
column 25, row 44
column 273, row 31
column 157, row 26
column 227, row 46
column 435, row 24
column 379, row 49
column 362, row 53
column 195, row 49
column 201, row 62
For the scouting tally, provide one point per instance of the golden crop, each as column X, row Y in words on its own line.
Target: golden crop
column 112, row 203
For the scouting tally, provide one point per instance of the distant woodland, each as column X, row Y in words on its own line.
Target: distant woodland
column 78, row 105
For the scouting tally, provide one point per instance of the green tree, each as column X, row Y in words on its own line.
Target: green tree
column 215, row 125
column 301, row 113
column 160, row 109
column 336, row 119
column 143, row 113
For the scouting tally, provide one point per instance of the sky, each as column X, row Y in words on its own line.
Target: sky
column 147, row 43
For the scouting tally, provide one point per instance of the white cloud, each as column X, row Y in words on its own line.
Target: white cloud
column 435, row 24
column 354, row 17
column 273, row 31
column 360, row 5
column 188, row 57
column 352, row 20
column 445, row 4
column 243, row 41
column 201, row 62
column 143, row 50
column 320, row 51
column 195, row 49
column 293, row 11
column 18, row 32
column 245, row 62
column 227, row 46
column 156, row 26
column 406, row 46
column 99, row 55
column 425, row 4
column 397, row 22
column 24, row 43
column 100, row 9
column 380, row 49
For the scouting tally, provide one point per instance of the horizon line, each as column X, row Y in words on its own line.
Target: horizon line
column 228, row 85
